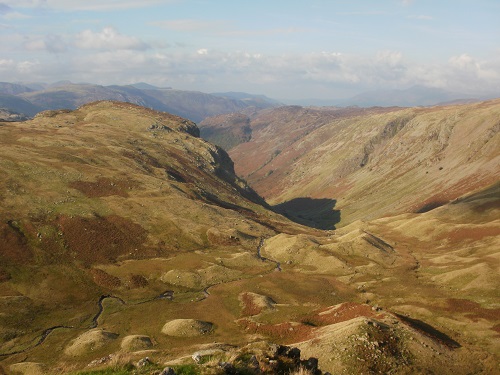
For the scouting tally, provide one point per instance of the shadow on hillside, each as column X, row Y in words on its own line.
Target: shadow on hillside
column 430, row 331
column 314, row 213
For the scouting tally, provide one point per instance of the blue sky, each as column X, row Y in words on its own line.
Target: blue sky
column 286, row 49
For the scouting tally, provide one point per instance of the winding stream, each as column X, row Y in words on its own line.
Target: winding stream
column 168, row 294
column 101, row 308
column 40, row 341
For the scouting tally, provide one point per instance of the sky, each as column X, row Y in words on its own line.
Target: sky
column 285, row 49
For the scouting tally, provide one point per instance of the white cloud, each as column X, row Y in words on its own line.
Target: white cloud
column 190, row 25
column 464, row 73
column 222, row 28
column 89, row 5
column 463, row 62
column 27, row 67
column 50, row 43
column 6, row 12
column 421, row 17
column 6, row 64
column 324, row 74
column 121, row 63
column 5, row 9
column 15, row 16
column 108, row 39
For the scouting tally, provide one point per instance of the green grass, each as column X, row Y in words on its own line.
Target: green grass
column 110, row 371
column 122, row 370
column 190, row 369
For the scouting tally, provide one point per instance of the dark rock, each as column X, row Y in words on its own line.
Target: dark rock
column 273, row 364
column 294, row 353
column 144, row 362
column 286, row 351
column 228, row 368
column 254, row 364
column 167, row 371
column 311, row 364
column 282, row 350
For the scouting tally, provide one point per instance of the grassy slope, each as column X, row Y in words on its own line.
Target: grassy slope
column 108, row 183
column 99, row 201
column 372, row 165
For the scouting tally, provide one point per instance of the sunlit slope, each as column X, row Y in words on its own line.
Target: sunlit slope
column 124, row 235
column 372, row 164
column 110, row 182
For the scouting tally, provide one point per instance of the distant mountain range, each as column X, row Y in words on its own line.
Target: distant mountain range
column 415, row 96
column 29, row 99
column 411, row 97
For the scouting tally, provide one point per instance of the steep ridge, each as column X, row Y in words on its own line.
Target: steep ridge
column 369, row 163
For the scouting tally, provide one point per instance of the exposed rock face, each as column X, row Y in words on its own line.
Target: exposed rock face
column 6, row 115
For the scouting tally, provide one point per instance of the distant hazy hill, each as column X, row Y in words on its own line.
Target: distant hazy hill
column 19, row 105
column 71, row 96
column 147, row 86
column 13, row 88
column 196, row 105
column 257, row 99
column 189, row 104
column 411, row 97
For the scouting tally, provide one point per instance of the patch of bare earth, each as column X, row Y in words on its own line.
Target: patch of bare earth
column 472, row 310
column 101, row 239
column 13, row 244
column 103, row 187
column 104, row 279
column 254, row 304
column 341, row 313
column 286, row 332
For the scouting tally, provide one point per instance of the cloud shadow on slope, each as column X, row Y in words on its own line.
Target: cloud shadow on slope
column 314, row 213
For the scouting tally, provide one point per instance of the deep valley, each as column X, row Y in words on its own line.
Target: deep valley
column 368, row 239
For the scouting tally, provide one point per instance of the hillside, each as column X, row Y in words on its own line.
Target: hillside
column 366, row 163
column 123, row 235
column 15, row 104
